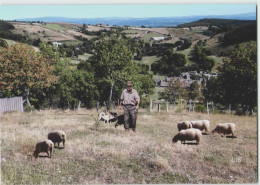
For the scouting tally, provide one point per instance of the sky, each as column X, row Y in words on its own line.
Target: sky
column 10, row 12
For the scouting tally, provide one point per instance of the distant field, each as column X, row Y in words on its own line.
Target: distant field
column 84, row 57
column 148, row 60
column 218, row 62
column 96, row 153
column 133, row 31
column 148, row 36
column 72, row 42
column 10, row 42
column 55, row 27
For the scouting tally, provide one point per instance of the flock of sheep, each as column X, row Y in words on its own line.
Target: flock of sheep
column 47, row 145
column 191, row 130
column 188, row 131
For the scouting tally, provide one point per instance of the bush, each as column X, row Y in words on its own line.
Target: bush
column 239, row 112
column 29, row 108
column 200, row 108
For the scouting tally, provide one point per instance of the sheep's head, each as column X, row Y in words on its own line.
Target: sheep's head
column 175, row 138
column 35, row 154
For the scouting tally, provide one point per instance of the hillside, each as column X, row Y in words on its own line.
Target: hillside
column 233, row 23
column 74, row 35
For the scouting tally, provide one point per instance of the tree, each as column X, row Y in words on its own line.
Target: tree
column 23, row 69
column 170, row 64
column 199, row 56
column 238, row 77
column 3, row 43
column 175, row 91
column 112, row 65
column 212, row 89
column 194, row 92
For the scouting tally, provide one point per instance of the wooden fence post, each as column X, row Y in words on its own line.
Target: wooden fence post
column 190, row 107
column 208, row 107
column 229, row 109
column 79, row 104
column 97, row 107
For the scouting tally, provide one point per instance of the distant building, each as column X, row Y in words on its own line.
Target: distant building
column 164, row 84
column 157, row 81
column 157, row 38
column 57, row 44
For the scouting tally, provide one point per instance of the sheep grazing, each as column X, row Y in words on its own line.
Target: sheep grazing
column 188, row 135
column 201, row 125
column 57, row 137
column 44, row 146
column 225, row 128
column 184, row 125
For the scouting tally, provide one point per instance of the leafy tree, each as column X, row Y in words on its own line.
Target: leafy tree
column 194, row 92
column 112, row 65
column 170, row 64
column 3, row 43
column 238, row 78
column 175, row 91
column 199, row 56
column 22, row 69
column 212, row 89
column 72, row 88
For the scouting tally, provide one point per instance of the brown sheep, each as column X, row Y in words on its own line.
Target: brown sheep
column 57, row 137
column 201, row 125
column 188, row 135
column 225, row 128
column 44, row 146
column 184, row 125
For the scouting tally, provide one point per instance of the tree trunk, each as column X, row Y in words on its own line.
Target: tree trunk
column 79, row 102
column 110, row 95
column 27, row 97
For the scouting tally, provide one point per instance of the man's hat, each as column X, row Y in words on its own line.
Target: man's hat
column 129, row 83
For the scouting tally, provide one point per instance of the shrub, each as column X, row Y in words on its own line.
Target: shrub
column 200, row 108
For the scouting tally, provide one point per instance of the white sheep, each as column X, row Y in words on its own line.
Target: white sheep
column 57, row 136
column 184, row 125
column 201, row 125
column 225, row 128
column 188, row 135
column 44, row 146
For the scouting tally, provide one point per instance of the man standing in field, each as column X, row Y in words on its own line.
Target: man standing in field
column 129, row 98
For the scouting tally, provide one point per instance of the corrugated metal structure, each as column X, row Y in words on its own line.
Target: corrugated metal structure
column 11, row 104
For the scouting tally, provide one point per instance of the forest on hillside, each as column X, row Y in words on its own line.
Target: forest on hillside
column 47, row 78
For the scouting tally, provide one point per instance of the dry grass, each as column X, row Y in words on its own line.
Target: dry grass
column 96, row 153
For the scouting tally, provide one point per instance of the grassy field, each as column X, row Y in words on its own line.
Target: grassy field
column 133, row 31
column 72, row 42
column 148, row 36
column 55, row 27
column 97, row 153
column 10, row 42
column 84, row 57
column 148, row 60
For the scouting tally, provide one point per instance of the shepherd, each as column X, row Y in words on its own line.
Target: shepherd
column 129, row 98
